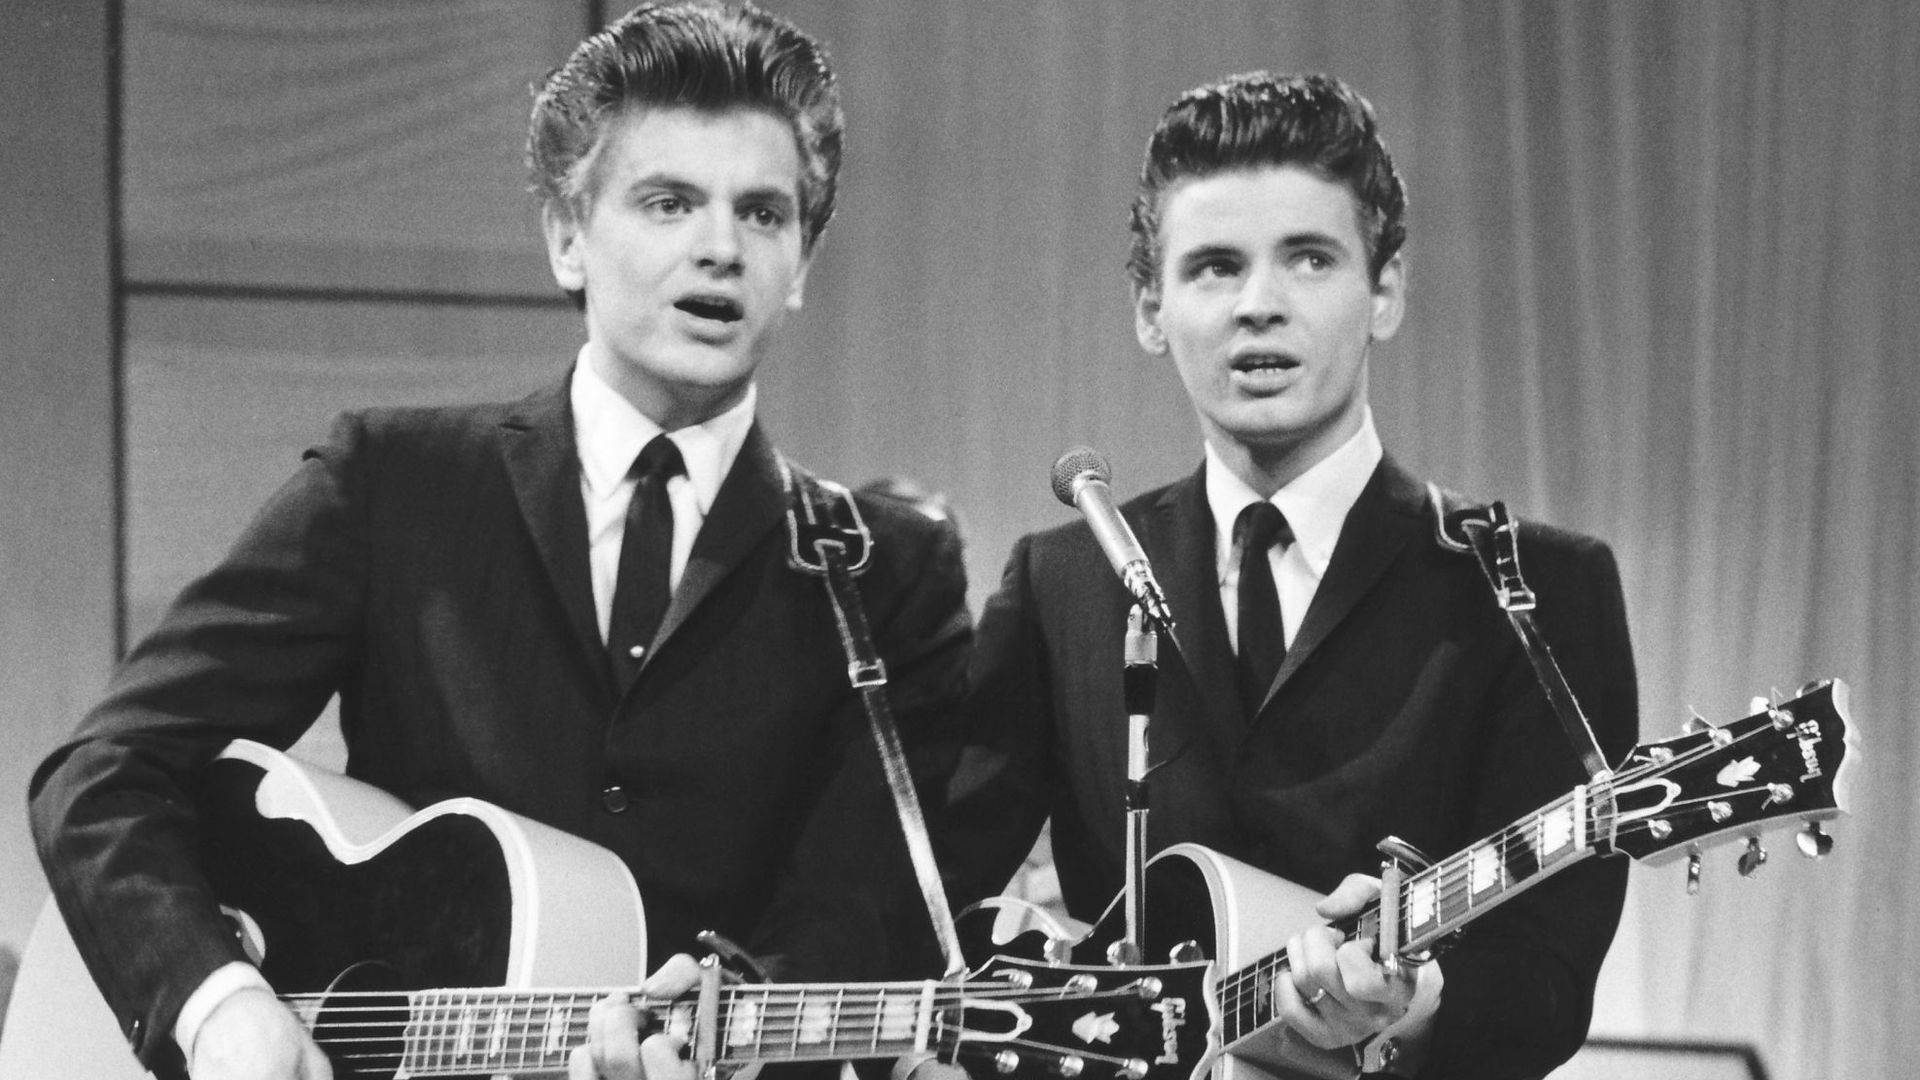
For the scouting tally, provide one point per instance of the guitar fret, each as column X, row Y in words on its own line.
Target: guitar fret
column 833, row 1028
column 558, row 1020
column 496, row 1031
column 898, row 1022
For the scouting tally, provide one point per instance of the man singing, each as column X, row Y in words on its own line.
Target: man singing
column 574, row 606
column 1343, row 675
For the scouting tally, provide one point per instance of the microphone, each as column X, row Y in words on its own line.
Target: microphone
column 1080, row 480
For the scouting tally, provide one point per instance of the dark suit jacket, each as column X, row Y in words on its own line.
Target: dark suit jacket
column 430, row 566
column 1405, row 707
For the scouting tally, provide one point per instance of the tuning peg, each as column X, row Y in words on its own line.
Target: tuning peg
column 1005, row 1062
column 1697, row 724
column 1069, row 1066
column 1133, row 1069
column 1781, row 719
column 1753, row 858
column 1081, row 984
column 1124, row 953
column 1017, row 979
column 1813, row 842
column 1693, row 873
column 1187, row 952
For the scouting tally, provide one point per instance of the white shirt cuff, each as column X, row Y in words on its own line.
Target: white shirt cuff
column 226, row 980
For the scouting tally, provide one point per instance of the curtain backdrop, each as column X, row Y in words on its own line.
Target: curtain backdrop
column 1663, row 284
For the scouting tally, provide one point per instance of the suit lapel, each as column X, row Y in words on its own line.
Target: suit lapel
column 1385, row 518
column 751, row 501
column 1179, row 540
column 543, row 465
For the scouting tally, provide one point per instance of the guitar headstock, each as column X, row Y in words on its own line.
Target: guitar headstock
column 1029, row 1020
column 1712, row 784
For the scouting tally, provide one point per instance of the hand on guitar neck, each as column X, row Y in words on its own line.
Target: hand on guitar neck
column 252, row 1035
column 1339, row 994
column 614, row 1049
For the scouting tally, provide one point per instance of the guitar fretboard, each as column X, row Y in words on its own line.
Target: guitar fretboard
column 1439, row 900
column 483, row 1031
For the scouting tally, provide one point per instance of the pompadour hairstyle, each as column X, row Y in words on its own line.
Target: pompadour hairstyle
column 693, row 54
column 1259, row 119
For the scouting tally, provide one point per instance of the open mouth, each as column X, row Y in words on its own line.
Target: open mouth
column 1258, row 362
column 717, row 308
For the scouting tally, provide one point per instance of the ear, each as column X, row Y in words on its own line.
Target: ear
column 1146, row 320
column 563, row 247
column 796, row 293
column 1389, row 300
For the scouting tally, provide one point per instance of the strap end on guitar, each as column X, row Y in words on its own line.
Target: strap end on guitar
column 813, row 534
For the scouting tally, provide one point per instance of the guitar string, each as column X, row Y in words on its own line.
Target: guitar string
column 778, row 1019
column 1447, row 893
column 1454, row 873
column 393, row 1061
column 575, row 1030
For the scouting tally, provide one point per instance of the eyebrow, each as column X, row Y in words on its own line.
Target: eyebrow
column 1211, row 251
column 767, row 193
column 1313, row 238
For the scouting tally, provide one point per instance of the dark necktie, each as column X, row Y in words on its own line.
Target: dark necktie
column 1263, row 641
column 643, row 587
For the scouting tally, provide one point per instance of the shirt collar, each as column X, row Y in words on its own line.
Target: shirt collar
column 1315, row 503
column 609, row 432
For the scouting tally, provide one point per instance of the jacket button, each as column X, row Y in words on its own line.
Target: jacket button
column 136, row 1034
column 614, row 798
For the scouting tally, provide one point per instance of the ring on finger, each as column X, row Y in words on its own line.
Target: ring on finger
column 1316, row 997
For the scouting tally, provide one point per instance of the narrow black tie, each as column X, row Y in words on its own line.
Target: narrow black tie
column 1263, row 640
column 643, row 587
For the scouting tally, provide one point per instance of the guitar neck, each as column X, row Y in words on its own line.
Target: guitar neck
column 465, row 1032
column 1443, row 898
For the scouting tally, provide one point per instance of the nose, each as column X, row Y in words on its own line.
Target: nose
column 1263, row 299
column 718, row 248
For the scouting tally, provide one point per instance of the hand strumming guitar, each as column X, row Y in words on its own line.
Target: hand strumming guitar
column 251, row 1035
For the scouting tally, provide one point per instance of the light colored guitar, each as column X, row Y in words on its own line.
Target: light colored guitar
column 463, row 940
column 1667, row 801
column 362, row 911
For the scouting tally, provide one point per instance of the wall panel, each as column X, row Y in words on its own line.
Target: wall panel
column 353, row 145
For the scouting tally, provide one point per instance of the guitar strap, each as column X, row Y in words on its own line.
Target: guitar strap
column 828, row 539
column 1492, row 535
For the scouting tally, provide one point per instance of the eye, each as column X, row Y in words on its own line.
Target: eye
column 766, row 217
column 666, row 205
column 1213, row 267
column 1315, row 261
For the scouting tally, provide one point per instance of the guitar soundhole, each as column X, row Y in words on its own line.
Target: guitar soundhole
column 362, row 1023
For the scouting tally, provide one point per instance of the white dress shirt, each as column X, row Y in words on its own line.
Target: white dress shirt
column 1315, row 505
column 609, row 433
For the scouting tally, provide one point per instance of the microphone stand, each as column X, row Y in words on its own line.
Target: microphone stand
column 1138, row 681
